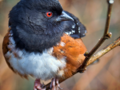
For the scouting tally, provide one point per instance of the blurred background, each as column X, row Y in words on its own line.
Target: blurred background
column 104, row 75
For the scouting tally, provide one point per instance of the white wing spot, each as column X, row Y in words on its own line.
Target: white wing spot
column 67, row 33
column 73, row 26
column 62, row 44
column 79, row 28
column 73, row 31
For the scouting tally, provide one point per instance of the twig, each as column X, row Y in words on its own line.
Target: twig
column 96, row 56
column 104, row 51
column 106, row 35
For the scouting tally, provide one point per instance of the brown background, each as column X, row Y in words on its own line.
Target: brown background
column 104, row 75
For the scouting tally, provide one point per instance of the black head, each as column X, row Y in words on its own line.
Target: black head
column 37, row 24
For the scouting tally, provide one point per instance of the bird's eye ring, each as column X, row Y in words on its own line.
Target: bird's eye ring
column 49, row 14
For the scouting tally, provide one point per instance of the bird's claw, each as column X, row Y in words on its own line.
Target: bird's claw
column 58, row 84
column 54, row 82
column 38, row 85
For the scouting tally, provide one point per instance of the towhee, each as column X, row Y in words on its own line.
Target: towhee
column 43, row 41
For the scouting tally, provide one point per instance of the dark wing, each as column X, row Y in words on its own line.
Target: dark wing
column 77, row 30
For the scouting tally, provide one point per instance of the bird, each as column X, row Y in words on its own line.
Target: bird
column 43, row 41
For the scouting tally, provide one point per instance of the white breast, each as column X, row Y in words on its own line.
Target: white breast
column 40, row 65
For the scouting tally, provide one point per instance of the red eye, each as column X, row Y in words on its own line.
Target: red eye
column 49, row 14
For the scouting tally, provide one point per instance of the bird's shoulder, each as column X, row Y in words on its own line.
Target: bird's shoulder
column 73, row 50
column 69, row 47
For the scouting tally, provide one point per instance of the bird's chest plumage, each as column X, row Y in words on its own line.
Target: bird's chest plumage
column 43, row 66
column 40, row 65
column 61, row 60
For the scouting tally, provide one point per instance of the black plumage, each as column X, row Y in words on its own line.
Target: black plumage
column 34, row 31
column 79, row 30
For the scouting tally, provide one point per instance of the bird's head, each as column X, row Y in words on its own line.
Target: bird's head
column 38, row 24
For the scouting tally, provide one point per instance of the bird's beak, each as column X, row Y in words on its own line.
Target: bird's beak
column 64, row 17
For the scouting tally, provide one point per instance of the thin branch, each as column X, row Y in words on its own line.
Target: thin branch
column 104, row 51
column 96, row 56
column 106, row 35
